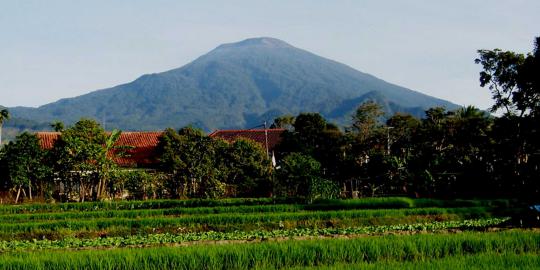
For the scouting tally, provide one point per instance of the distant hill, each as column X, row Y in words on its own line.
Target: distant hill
column 236, row 85
column 14, row 126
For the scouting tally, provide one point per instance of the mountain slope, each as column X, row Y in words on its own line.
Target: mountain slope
column 235, row 85
column 14, row 126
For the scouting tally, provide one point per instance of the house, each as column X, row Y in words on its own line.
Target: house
column 140, row 152
column 141, row 145
column 267, row 138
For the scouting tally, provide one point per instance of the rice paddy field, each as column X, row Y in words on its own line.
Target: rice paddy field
column 374, row 233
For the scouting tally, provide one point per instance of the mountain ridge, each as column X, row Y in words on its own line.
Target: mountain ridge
column 234, row 85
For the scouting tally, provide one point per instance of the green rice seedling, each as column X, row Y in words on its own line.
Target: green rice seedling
column 362, row 203
column 489, row 260
column 422, row 250
column 130, row 205
column 141, row 213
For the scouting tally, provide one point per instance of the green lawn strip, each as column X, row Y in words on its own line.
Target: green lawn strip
column 486, row 261
column 154, row 239
column 424, row 249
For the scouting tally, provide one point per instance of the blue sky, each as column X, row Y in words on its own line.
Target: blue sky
column 55, row 49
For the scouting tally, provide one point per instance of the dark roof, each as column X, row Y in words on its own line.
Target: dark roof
column 142, row 144
column 257, row 135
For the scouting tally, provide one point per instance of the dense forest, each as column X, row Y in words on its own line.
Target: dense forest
column 446, row 154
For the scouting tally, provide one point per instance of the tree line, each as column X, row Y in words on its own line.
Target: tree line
column 81, row 166
column 447, row 154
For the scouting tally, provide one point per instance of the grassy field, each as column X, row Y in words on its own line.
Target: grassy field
column 266, row 234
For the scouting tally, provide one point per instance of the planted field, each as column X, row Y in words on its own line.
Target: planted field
column 521, row 248
column 259, row 233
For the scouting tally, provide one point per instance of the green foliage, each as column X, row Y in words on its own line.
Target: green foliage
column 200, row 166
column 313, row 136
column 82, row 158
column 189, row 156
column 248, row 168
column 300, row 175
column 366, row 122
column 514, row 83
column 23, row 165
column 284, row 121
column 139, row 184
column 512, row 79
column 4, row 115
column 58, row 126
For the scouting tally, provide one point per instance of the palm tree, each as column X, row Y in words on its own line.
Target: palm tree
column 58, row 126
column 4, row 115
column 470, row 112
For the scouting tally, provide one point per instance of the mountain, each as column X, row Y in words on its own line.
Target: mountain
column 14, row 126
column 236, row 85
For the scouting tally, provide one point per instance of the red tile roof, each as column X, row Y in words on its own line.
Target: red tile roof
column 142, row 153
column 144, row 144
column 257, row 135
column 47, row 139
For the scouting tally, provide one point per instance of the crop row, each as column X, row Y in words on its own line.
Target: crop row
column 364, row 203
column 143, row 213
column 487, row 260
column 232, row 213
column 131, row 205
column 153, row 239
column 230, row 220
column 284, row 254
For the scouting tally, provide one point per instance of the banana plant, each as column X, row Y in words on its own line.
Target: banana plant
column 106, row 164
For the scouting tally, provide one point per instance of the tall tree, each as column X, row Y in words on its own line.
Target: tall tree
column 300, row 176
column 312, row 135
column 189, row 157
column 248, row 168
column 366, row 121
column 77, row 157
column 402, row 130
column 106, row 164
column 4, row 115
column 284, row 121
column 514, row 80
column 366, row 138
column 25, row 166
column 57, row 126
